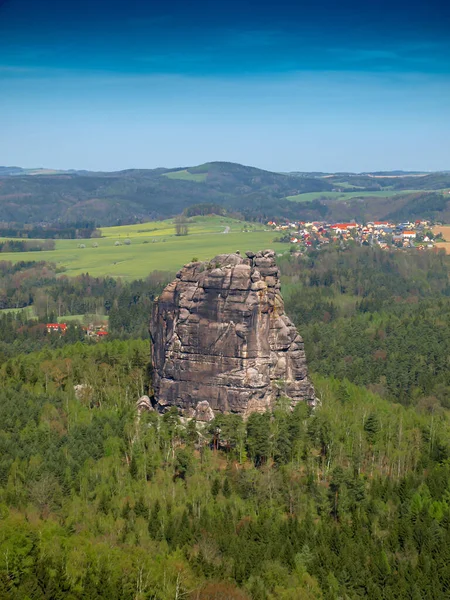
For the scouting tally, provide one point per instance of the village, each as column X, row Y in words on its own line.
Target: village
column 384, row 234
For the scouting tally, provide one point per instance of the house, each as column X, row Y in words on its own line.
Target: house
column 344, row 226
column 409, row 235
column 58, row 327
column 378, row 224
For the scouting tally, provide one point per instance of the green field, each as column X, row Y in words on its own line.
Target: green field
column 83, row 319
column 28, row 310
column 310, row 196
column 154, row 246
column 30, row 313
column 186, row 175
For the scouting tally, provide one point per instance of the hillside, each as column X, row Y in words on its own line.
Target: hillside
column 403, row 206
column 134, row 195
column 100, row 499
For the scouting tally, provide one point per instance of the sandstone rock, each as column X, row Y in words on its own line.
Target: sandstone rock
column 221, row 341
column 144, row 403
column 203, row 411
column 83, row 391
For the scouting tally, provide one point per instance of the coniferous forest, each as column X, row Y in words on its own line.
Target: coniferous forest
column 349, row 500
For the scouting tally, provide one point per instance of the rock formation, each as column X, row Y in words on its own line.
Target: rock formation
column 144, row 404
column 83, row 391
column 221, row 341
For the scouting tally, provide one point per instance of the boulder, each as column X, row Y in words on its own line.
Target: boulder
column 203, row 411
column 144, row 404
column 83, row 391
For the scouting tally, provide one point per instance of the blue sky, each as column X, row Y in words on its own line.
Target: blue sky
column 282, row 85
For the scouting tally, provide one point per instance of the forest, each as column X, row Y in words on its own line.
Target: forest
column 59, row 231
column 349, row 500
column 26, row 246
column 69, row 205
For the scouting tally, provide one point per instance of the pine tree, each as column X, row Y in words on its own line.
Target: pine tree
column 141, row 508
column 134, row 471
column 372, row 427
column 154, row 524
column 226, row 488
column 215, row 487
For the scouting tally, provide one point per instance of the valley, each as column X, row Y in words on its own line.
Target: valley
column 153, row 246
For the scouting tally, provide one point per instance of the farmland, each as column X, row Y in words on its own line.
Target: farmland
column 445, row 230
column 133, row 251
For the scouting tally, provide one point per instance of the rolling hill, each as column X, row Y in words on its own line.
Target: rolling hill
column 30, row 196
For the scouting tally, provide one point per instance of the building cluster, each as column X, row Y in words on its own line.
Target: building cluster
column 57, row 328
column 93, row 331
column 385, row 234
column 96, row 331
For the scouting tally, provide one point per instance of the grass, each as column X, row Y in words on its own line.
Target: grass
column 28, row 310
column 186, row 176
column 154, row 246
column 309, row 196
column 83, row 319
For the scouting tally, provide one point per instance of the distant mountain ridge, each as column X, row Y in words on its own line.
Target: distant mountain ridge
column 47, row 196
column 13, row 170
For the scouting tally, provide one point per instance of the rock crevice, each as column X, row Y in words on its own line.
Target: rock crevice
column 221, row 341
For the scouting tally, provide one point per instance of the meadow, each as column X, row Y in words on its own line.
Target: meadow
column 186, row 175
column 30, row 313
column 27, row 310
column 310, row 196
column 152, row 246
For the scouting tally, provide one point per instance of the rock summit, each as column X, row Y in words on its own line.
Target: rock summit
column 221, row 341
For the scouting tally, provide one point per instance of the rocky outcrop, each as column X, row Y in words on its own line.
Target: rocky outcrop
column 221, row 341
column 144, row 404
column 83, row 392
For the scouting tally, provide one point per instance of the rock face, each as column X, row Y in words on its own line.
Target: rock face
column 221, row 341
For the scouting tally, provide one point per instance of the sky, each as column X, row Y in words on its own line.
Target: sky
column 287, row 86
